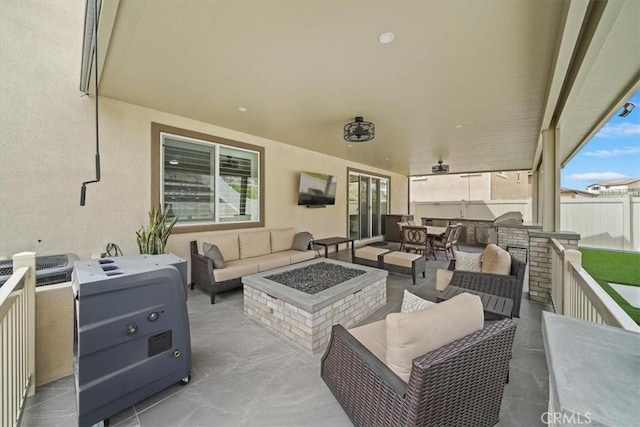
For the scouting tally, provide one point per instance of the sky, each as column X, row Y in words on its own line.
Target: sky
column 613, row 153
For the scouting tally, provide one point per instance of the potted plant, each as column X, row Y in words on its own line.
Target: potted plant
column 152, row 240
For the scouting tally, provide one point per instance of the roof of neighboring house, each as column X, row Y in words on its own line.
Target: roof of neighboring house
column 616, row 182
column 571, row 190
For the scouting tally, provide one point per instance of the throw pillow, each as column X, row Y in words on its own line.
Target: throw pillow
column 411, row 302
column 466, row 261
column 496, row 260
column 301, row 241
column 410, row 335
column 213, row 253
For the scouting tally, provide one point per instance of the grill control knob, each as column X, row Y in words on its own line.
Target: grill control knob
column 153, row 316
column 131, row 329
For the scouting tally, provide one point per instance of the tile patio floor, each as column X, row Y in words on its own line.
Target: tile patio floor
column 243, row 375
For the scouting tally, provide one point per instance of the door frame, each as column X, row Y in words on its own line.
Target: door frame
column 370, row 174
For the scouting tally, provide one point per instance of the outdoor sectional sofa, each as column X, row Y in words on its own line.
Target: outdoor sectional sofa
column 219, row 262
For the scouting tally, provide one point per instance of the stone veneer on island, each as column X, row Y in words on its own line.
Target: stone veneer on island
column 307, row 319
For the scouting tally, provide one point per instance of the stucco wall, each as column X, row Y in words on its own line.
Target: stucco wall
column 455, row 187
column 47, row 144
column 510, row 188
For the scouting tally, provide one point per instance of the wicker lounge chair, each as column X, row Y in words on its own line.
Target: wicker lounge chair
column 459, row 384
column 496, row 284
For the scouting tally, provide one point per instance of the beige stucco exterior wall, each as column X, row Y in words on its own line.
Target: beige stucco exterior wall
column 47, row 145
column 510, row 188
column 456, row 187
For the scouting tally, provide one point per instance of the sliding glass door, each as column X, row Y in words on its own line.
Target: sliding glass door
column 368, row 204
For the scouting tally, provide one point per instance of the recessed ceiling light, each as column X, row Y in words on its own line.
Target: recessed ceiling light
column 386, row 37
column 349, row 145
column 174, row 162
column 386, row 158
column 243, row 109
column 457, row 127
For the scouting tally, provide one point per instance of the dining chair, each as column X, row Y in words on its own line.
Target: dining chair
column 415, row 239
column 456, row 236
column 445, row 242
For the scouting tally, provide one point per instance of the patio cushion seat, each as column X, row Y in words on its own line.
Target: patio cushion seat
column 404, row 263
column 403, row 259
column 369, row 252
column 368, row 255
column 237, row 268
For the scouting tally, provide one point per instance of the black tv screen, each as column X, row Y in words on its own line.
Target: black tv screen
column 316, row 189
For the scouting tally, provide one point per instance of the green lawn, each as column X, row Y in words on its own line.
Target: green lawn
column 614, row 267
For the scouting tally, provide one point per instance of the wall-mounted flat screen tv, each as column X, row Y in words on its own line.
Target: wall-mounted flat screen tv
column 316, row 189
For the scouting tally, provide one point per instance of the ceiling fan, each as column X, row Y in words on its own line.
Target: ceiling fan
column 440, row 168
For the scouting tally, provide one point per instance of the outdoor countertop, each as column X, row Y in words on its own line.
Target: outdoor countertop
column 594, row 372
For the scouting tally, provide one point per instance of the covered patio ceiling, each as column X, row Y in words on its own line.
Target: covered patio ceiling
column 470, row 82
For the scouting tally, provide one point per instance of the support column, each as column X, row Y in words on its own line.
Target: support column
column 550, row 180
column 535, row 196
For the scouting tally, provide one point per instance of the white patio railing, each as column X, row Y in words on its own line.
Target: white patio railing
column 576, row 294
column 17, row 338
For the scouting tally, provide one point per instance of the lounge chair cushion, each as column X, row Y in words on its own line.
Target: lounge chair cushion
column 443, row 277
column 370, row 253
column 495, row 260
column 410, row 335
column 411, row 302
column 374, row 337
column 468, row 261
column 282, row 239
column 213, row 253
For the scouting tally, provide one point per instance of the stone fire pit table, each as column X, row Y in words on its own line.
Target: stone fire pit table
column 305, row 318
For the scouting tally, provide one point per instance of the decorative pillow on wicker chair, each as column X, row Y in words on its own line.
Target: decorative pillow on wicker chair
column 495, row 260
column 468, row 261
column 411, row 302
column 213, row 253
column 301, row 241
column 410, row 335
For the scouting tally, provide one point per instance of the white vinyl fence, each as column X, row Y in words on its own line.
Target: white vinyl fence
column 607, row 222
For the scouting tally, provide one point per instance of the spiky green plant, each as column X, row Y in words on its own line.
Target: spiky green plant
column 153, row 239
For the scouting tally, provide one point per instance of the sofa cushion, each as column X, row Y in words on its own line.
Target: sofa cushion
column 254, row 244
column 226, row 243
column 411, row 302
column 282, row 239
column 374, row 337
column 271, row 261
column 496, row 260
column 410, row 335
column 299, row 256
column 468, row 261
column 235, row 269
column 301, row 241
column 213, row 253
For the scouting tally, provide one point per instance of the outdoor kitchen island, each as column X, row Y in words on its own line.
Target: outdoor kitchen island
column 334, row 292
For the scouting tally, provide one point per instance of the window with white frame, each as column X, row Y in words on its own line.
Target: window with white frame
column 209, row 184
column 503, row 174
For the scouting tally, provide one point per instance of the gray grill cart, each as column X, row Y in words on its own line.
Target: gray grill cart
column 133, row 332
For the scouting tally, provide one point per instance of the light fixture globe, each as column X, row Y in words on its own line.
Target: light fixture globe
column 359, row 131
